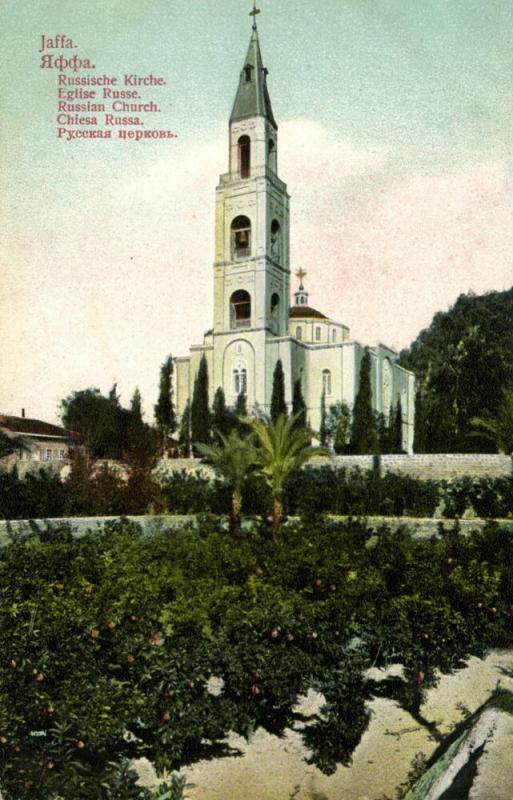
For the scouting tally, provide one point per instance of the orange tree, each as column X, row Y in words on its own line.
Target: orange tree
column 120, row 645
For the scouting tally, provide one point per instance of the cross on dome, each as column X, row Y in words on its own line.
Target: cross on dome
column 301, row 296
column 300, row 274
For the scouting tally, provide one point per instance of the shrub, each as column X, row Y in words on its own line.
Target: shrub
column 308, row 491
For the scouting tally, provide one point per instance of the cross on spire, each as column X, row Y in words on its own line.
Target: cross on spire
column 253, row 14
column 301, row 274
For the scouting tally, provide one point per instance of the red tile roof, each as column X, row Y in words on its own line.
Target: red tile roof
column 33, row 427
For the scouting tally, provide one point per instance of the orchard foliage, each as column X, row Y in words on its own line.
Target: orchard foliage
column 119, row 645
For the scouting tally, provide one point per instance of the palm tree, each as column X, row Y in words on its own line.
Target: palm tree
column 282, row 446
column 233, row 458
column 499, row 429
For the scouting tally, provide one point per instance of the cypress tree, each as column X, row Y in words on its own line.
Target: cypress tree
column 113, row 395
column 397, row 442
column 112, row 432
column 420, row 432
column 383, row 431
column 241, row 406
column 323, row 433
column 136, row 406
column 364, row 438
column 221, row 421
column 200, row 412
column 141, row 445
column 278, row 404
column 184, row 432
column 164, row 409
column 299, row 405
column 135, row 431
column 338, row 426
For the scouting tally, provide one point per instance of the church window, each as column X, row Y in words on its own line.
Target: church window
column 326, row 381
column 271, row 155
column 240, row 380
column 240, row 309
column 299, row 333
column 275, row 240
column 317, row 334
column 247, row 72
column 302, row 300
column 275, row 303
column 333, row 335
column 386, row 386
column 244, row 145
column 241, row 237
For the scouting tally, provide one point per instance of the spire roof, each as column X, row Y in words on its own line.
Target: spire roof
column 252, row 99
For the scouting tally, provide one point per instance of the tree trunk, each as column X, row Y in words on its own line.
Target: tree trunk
column 235, row 514
column 277, row 517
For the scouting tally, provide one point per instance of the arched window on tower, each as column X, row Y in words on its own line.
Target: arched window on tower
column 275, row 304
column 387, row 385
column 241, row 237
column 334, row 335
column 240, row 380
column 276, row 240
column 271, row 154
column 240, row 309
column 318, row 334
column 247, row 72
column 244, row 145
column 326, row 382
column 299, row 333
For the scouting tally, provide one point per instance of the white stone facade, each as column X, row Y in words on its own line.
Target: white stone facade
column 254, row 325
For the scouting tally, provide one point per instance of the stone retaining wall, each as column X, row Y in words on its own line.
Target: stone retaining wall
column 424, row 466
column 420, row 527
column 435, row 466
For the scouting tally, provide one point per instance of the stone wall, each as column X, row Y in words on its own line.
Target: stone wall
column 424, row 466
column 194, row 466
column 419, row 527
column 430, row 466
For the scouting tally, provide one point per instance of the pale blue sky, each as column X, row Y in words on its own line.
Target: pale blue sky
column 432, row 78
column 419, row 92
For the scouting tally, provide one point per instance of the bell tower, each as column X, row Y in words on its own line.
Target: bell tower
column 251, row 268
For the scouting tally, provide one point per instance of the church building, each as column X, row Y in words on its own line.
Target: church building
column 254, row 324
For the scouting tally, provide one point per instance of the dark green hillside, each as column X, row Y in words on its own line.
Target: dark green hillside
column 463, row 363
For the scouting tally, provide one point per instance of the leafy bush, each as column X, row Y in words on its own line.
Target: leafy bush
column 188, row 493
column 353, row 492
column 309, row 491
column 111, row 643
column 39, row 494
column 487, row 497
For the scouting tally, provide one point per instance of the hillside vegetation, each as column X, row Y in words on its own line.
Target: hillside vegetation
column 463, row 363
